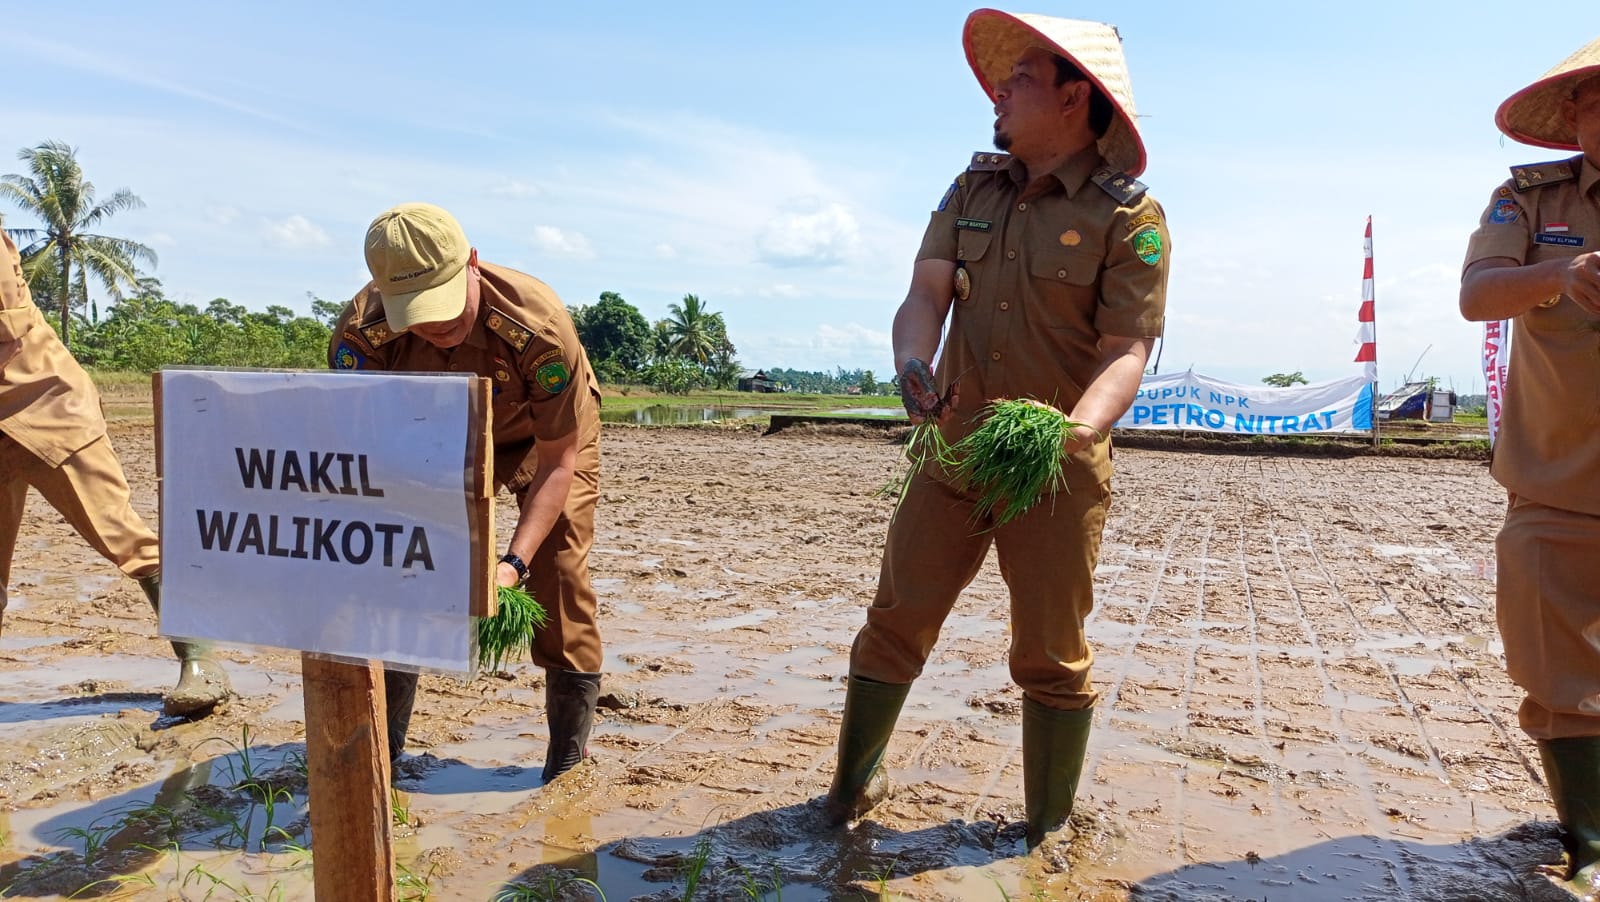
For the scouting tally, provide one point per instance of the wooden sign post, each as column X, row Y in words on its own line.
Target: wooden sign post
column 347, row 516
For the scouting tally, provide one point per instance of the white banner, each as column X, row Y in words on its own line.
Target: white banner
column 1191, row 402
column 1496, row 357
column 325, row 512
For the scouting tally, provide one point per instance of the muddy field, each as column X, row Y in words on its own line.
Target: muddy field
column 1303, row 700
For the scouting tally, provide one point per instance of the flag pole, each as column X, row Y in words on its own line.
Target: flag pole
column 1368, row 331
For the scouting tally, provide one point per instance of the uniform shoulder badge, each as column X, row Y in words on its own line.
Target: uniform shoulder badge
column 984, row 161
column 1537, row 175
column 515, row 333
column 375, row 328
column 1120, row 185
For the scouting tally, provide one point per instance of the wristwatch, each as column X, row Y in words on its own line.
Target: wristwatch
column 516, row 564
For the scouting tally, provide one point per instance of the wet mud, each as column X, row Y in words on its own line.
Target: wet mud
column 1303, row 698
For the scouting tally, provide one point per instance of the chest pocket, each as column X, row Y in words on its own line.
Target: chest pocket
column 1063, row 285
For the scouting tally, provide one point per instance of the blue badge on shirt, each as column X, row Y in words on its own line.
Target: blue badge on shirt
column 945, row 201
column 1505, row 211
column 347, row 358
column 1558, row 238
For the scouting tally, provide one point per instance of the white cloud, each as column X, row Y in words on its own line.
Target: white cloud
column 818, row 236
column 850, row 345
column 296, row 232
column 515, row 188
column 221, row 215
column 782, row 290
column 666, row 251
column 563, row 244
column 162, row 239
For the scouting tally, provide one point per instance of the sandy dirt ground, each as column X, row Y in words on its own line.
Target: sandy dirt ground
column 1303, row 699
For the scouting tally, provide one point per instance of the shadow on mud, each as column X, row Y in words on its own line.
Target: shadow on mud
column 786, row 853
column 78, row 706
column 1369, row 868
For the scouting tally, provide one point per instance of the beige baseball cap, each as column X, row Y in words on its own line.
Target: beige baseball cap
column 1533, row 114
column 417, row 254
column 994, row 40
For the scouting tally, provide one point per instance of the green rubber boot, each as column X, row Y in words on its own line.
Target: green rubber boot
column 870, row 711
column 201, row 682
column 1053, row 745
column 1572, row 768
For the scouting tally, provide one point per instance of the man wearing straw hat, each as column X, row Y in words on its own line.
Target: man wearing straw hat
column 433, row 307
column 1534, row 259
column 1050, row 262
column 53, row 438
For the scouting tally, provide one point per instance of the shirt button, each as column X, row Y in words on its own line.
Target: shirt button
column 1022, row 207
column 995, row 356
column 1005, row 305
column 1011, row 255
column 1061, row 274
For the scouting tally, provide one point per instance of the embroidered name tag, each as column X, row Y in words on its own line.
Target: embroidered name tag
column 1558, row 238
column 976, row 225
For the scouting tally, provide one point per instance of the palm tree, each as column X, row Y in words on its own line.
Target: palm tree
column 57, row 195
column 694, row 329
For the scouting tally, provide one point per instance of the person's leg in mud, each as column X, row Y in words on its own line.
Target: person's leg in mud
column 568, row 647
column 1548, row 564
column 1047, row 558
column 933, row 551
column 13, row 498
column 90, row 491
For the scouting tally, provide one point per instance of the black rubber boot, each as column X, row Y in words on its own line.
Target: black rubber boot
column 1572, row 768
column 399, row 695
column 859, row 781
column 1053, row 745
column 569, row 700
column 202, row 684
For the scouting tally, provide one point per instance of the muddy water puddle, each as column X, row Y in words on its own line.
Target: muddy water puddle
column 1295, row 705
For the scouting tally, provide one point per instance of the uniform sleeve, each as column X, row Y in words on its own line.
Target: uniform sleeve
column 553, row 365
column 939, row 241
column 1133, row 287
column 17, row 313
column 348, row 349
column 1504, row 229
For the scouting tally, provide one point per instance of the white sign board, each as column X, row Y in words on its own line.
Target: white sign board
column 323, row 512
column 1189, row 401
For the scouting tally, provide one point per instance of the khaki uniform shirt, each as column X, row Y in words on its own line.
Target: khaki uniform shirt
column 48, row 405
column 1044, row 270
column 523, row 340
column 1548, row 448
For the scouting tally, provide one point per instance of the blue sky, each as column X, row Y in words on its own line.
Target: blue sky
column 780, row 160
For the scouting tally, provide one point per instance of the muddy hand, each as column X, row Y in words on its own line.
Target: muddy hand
column 919, row 392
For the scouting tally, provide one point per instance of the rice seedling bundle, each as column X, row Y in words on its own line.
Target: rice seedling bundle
column 1013, row 459
column 511, row 629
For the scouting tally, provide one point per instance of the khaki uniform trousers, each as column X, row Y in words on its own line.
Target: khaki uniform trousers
column 1547, row 602
column 90, row 491
column 558, row 575
column 1047, row 558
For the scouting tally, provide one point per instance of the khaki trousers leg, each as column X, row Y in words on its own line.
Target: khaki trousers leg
column 558, row 576
column 1547, row 602
column 91, row 493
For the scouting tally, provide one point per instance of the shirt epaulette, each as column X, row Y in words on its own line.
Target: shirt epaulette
column 375, row 328
column 1537, row 175
column 502, row 324
column 984, row 161
column 1120, row 185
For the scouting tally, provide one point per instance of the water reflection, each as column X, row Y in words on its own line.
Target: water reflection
column 681, row 414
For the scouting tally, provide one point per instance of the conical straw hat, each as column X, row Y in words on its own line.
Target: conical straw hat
column 1533, row 114
column 994, row 40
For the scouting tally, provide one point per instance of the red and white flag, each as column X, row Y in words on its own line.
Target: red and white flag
column 1496, row 356
column 1367, row 334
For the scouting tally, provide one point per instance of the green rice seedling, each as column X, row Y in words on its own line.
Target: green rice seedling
column 401, row 808
column 93, row 838
column 551, row 887
column 694, row 867
column 924, row 443
column 1013, row 459
column 411, row 886
column 248, row 765
column 757, row 889
column 511, row 628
